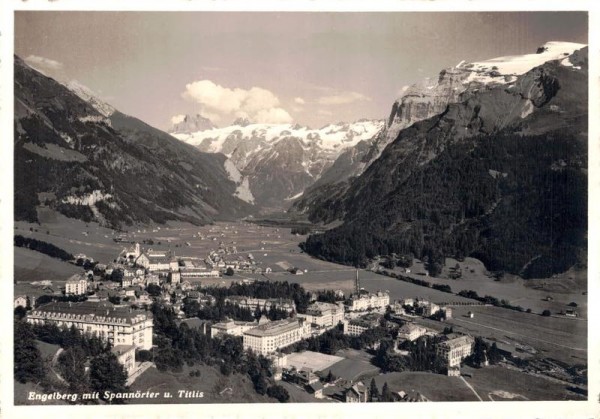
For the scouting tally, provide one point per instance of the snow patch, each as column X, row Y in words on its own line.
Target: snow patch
column 88, row 95
column 291, row 198
column 95, row 118
column 527, row 109
column 232, row 171
column 89, row 199
column 243, row 191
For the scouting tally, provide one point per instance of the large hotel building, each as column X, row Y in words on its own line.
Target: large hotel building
column 117, row 325
column 268, row 337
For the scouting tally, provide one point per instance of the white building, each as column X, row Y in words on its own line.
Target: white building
column 155, row 261
column 410, row 332
column 369, row 301
column 231, row 327
column 76, row 285
column 251, row 303
column 429, row 308
column 117, row 325
column 453, row 351
column 267, row 338
column 20, row 301
column 324, row 314
column 357, row 326
column 126, row 356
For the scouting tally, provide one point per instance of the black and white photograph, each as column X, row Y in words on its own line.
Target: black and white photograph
column 241, row 207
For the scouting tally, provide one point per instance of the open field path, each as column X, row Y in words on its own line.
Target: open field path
column 472, row 389
column 518, row 334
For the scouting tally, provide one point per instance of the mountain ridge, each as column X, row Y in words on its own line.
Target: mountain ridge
column 113, row 169
column 387, row 210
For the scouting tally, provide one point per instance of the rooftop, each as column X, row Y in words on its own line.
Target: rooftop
column 90, row 311
column 458, row 342
column 274, row 328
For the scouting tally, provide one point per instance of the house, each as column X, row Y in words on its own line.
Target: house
column 76, row 285
column 362, row 301
column 453, row 351
column 175, row 277
column 316, row 389
column 355, row 327
column 357, row 393
column 231, row 327
column 268, row 337
column 126, row 356
column 116, row 325
column 20, row 301
column 571, row 313
column 410, row 332
column 155, row 260
column 429, row 308
column 324, row 315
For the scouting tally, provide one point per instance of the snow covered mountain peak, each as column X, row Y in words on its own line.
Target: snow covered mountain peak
column 86, row 94
column 279, row 161
column 430, row 97
column 502, row 70
column 332, row 139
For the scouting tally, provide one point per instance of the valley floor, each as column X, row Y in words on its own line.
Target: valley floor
column 530, row 334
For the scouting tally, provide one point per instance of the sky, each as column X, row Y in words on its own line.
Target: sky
column 274, row 67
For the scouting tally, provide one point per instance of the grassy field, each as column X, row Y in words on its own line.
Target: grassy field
column 505, row 384
column 35, row 266
column 298, row 395
column 435, row 387
column 564, row 289
column 356, row 364
column 564, row 339
column 216, row 387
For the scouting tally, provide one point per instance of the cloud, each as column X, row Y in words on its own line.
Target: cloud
column 299, row 101
column 36, row 60
column 177, row 119
column 46, row 66
column 324, row 112
column 217, row 102
column 342, row 98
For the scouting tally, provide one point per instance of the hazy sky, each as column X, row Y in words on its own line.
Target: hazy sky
column 310, row 68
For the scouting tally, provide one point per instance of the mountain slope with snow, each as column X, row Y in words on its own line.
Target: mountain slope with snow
column 277, row 162
column 430, row 97
column 500, row 174
column 101, row 165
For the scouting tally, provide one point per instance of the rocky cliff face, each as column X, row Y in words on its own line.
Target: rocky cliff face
column 431, row 97
column 191, row 123
column 431, row 191
column 87, row 160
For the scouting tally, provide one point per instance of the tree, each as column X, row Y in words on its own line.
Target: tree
column 229, row 271
column 494, row 354
column 546, row 313
column 107, row 374
column 72, row 366
column 330, row 378
column 154, row 290
column 143, row 355
column 278, row 392
column 28, row 358
column 386, row 395
column 480, row 350
column 20, row 312
column 373, row 391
